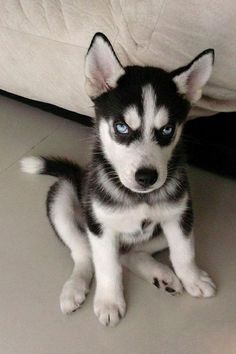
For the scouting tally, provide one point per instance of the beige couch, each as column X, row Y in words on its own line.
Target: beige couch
column 43, row 44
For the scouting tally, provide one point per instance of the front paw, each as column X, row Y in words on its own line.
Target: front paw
column 199, row 284
column 109, row 309
column 73, row 294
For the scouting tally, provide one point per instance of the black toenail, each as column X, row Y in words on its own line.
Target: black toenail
column 170, row 290
column 156, row 282
column 164, row 282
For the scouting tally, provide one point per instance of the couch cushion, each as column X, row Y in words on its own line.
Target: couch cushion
column 43, row 44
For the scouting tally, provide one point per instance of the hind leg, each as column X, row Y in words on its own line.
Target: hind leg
column 62, row 207
column 140, row 261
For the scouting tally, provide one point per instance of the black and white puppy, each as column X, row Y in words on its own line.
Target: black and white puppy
column 134, row 198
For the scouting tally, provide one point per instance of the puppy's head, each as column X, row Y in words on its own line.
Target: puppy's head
column 141, row 111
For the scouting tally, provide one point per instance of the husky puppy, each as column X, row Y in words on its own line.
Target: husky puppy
column 133, row 200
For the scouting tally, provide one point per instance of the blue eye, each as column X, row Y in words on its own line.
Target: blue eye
column 122, row 128
column 167, row 130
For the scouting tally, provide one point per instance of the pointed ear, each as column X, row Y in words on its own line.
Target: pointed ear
column 102, row 67
column 191, row 78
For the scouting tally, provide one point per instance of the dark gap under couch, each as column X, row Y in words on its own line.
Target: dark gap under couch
column 210, row 141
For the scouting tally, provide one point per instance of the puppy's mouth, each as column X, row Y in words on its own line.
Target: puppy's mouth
column 142, row 190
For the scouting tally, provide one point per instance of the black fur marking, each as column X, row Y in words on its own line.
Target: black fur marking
column 176, row 174
column 125, row 248
column 92, row 223
column 96, row 187
column 186, row 221
column 64, row 168
column 145, row 223
column 103, row 195
column 180, row 189
column 177, row 159
column 156, row 231
column 50, row 198
column 60, row 167
column 156, row 283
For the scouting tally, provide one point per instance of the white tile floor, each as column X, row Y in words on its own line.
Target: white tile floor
column 34, row 264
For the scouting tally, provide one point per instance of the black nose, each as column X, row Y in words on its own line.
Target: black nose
column 146, row 177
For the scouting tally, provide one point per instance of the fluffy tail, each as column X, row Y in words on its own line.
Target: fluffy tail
column 57, row 167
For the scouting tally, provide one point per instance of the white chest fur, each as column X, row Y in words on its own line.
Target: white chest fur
column 127, row 221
